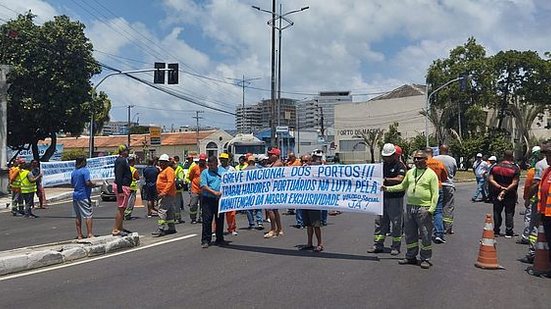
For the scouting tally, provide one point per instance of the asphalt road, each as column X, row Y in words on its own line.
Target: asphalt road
column 256, row 273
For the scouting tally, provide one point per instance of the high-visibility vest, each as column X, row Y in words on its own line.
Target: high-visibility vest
column 544, row 206
column 179, row 172
column 26, row 185
column 15, row 182
column 134, row 183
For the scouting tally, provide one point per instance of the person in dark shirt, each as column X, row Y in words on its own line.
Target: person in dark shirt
column 121, row 188
column 503, row 180
column 393, row 203
column 150, row 174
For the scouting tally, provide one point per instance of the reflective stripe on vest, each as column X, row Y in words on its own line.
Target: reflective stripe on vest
column 16, row 183
column 134, row 183
column 26, row 185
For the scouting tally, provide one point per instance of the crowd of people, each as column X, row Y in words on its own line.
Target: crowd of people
column 428, row 189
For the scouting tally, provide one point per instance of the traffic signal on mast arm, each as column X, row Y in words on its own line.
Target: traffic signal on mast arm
column 159, row 74
column 172, row 73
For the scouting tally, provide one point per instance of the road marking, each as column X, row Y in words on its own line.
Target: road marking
column 42, row 270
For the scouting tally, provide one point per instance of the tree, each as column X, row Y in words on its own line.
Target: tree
column 139, row 130
column 50, row 82
column 72, row 154
column 371, row 139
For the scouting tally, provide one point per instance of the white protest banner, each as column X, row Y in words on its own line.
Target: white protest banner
column 59, row 173
column 352, row 188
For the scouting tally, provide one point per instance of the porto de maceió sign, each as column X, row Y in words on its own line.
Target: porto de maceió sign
column 352, row 188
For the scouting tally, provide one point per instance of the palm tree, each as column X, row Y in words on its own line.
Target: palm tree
column 371, row 138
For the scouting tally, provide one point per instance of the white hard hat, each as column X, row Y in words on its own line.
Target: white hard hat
column 164, row 157
column 388, row 150
column 262, row 157
column 479, row 155
column 536, row 149
column 492, row 158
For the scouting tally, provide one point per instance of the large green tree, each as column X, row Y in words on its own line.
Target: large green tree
column 50, row 88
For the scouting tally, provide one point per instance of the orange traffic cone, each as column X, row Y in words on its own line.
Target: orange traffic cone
column 541, row 260
column 487, row 254
column 139, row 202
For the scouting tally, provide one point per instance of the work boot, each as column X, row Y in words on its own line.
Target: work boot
column 407, row 261
column 158, row 233
column 394, row 252
column 375, row 250
column 426, row 264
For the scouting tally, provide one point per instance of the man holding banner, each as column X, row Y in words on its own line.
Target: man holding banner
column 421, row 184
column 211, row 180
column 275, row 219
column 393, row 173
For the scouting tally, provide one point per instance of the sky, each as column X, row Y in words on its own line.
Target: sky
column 363, row 46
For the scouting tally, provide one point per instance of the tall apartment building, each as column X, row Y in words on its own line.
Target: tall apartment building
column 116, row 127
column 311, row 112
column 259, row 116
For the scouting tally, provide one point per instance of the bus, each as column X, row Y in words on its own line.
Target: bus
column 242, row 144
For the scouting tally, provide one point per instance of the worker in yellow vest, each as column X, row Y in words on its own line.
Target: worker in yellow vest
column 28, row 188
column 133, row 188
column 15, row 186
column 179, row 181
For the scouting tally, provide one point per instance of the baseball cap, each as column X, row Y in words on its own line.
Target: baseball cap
column 398, row 149
column 479, row 155
column 492, row 158
column 388, row 150
column 224, row 155
column 203, row 156
column 274, row 151
column 164, row 157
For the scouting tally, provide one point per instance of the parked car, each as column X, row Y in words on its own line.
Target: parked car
column 107, row 193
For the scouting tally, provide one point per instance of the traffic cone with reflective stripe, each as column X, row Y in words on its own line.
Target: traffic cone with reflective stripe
column 487, row 254
column 138, row 203
column 541, row 260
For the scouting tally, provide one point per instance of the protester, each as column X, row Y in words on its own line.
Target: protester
column 253, row 214
column 393, row 203
column 276, row 228
column 121, row 187
column 242, row 163
column 292, row 160
column 150, row 174
column 82, row 189
column 15, row 187
column 318, row 158
column 544, row 206
column 166, row 191
column 180, row 181
column 230, row 215
column 421, row 184
column 312, row 221
column 28, row 188
column 448, row 188
column 195, row 180
column 442, row 174
column 211, row 180
column 529, row 196
column 133, row 188
column 503, row 180
column 480, row 169
column 40, row 193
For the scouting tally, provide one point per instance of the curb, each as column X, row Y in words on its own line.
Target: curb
column 28, row 258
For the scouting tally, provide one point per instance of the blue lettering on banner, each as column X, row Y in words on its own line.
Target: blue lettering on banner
column 354, row 188
column 59, row 173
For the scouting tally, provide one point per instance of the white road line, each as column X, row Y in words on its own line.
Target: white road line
column 42, row 270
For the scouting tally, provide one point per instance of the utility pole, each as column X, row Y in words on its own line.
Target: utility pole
column 273, row 141
column 128, row 128
column 279, row 69
column 197, row 117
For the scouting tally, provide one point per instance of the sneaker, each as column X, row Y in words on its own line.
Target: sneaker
column 193, row 221
column 234, row 233
column 180, row 221
column 171, row 232
column 127, row 218
column 439, row 240
column 450, row 232
column 204, row 245
column 407, row 261
column 375, row 250
column 260, row 227
column 159, row 233
column 394, row 252
column 508, row 236
column 426, row 264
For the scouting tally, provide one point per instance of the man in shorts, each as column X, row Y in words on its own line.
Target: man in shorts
column 82, row 205
column 121, row 188
column 312, row 220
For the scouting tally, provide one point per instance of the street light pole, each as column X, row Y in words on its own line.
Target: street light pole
column 91, row 143
column 272, row 23
column 427, row 105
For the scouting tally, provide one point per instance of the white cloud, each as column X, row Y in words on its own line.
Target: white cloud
column 43, row 10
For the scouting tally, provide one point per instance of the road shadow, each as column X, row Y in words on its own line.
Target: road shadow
column 296, row 252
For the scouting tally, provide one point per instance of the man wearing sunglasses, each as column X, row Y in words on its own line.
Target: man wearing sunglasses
column 421, row 185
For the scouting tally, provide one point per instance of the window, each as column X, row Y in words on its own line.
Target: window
column 212, row 149
column 352, row 145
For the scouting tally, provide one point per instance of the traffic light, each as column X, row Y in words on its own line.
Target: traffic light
column 159, row 75
column 172, row 73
